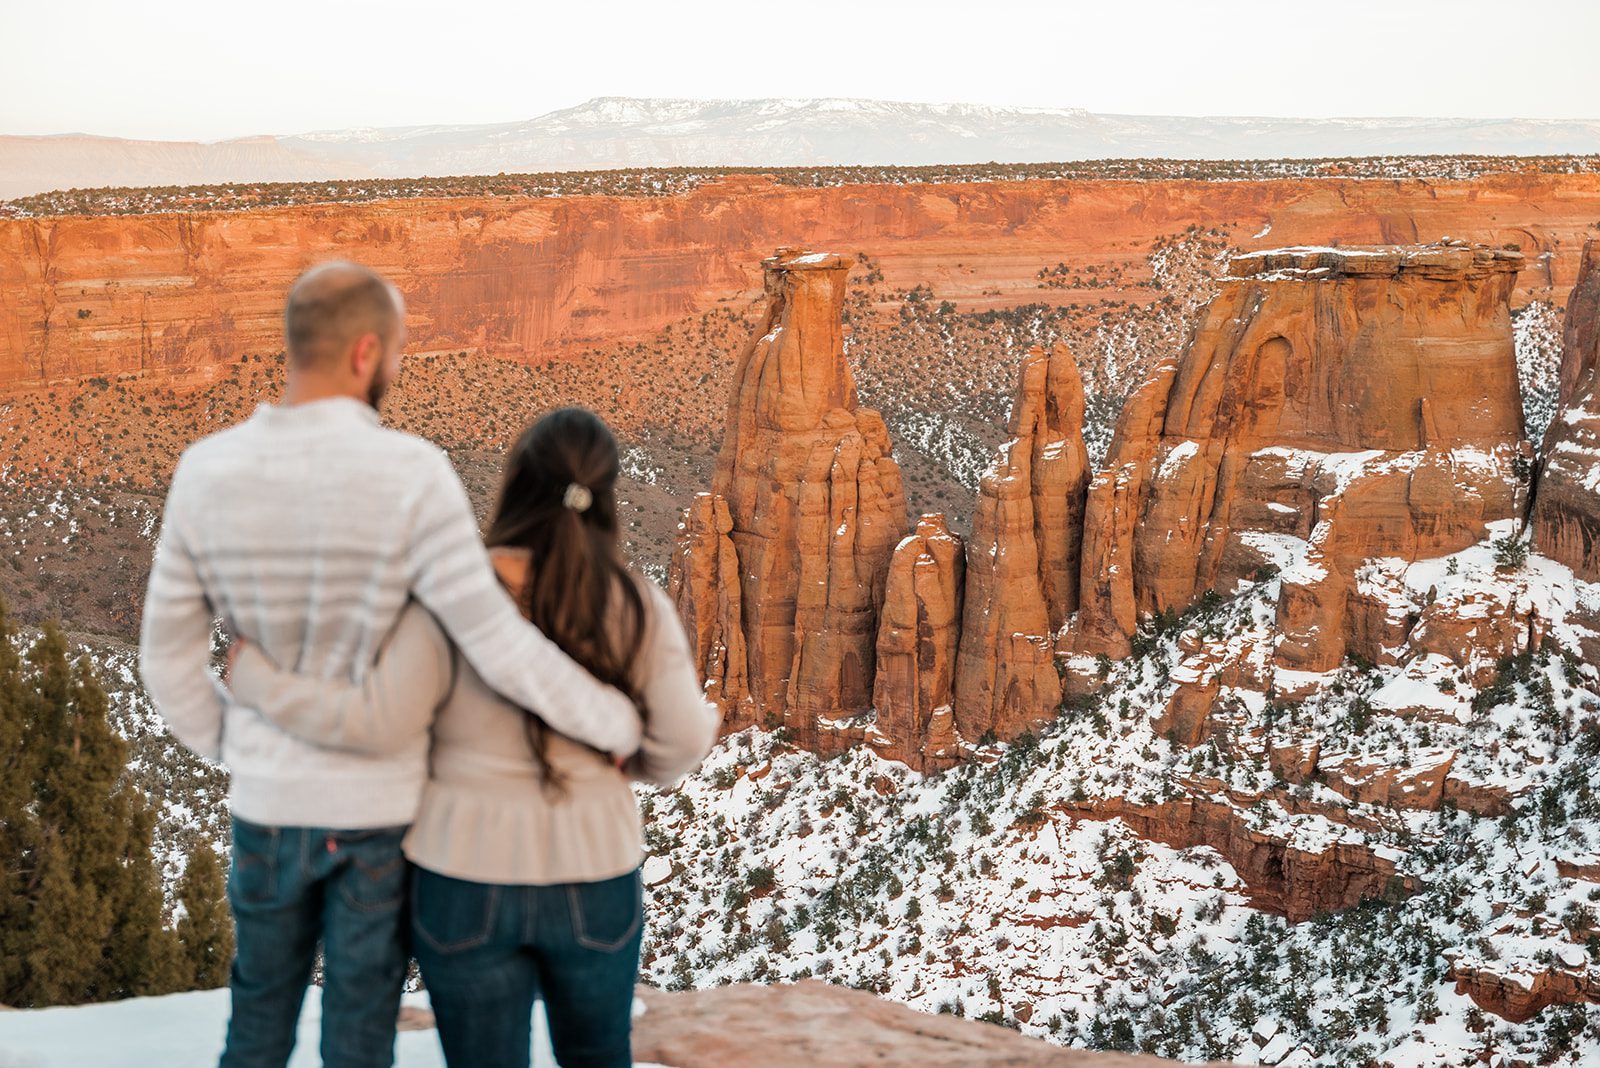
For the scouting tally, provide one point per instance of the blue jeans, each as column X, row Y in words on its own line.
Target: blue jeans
column 290, row 887
column 488, row 952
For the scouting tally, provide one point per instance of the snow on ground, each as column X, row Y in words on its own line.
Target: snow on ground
column 1536, row 330
column 185, row 1031
column 176, row 1031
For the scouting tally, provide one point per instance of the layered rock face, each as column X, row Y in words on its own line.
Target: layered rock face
column 1566, row 510
column 1334, row 405
column 798, row 555
column 1023, row 556
column 815, row 508
column 1283, row 876
column 703, row 579
column 531, row 278
column 1520, row 996
column 914, row 691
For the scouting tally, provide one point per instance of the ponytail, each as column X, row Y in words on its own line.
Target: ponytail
column 558, row 501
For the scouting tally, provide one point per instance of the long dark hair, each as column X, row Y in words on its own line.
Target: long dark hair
column 559, row 502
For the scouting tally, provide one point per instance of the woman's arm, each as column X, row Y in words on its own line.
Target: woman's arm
column 680, row 724
column 384, row 714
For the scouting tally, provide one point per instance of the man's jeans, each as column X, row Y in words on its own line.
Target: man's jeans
column 290, row 886
column 487, row 952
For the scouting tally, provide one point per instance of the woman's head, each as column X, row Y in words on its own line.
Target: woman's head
column 558, row 501
column 569, row 447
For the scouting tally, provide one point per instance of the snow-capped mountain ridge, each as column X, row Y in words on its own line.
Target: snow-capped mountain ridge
column 615, row 131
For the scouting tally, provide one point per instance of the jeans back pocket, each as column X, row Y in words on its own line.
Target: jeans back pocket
column 452, row 915
column 606, row 915
column 253, row 875
column 375, row 875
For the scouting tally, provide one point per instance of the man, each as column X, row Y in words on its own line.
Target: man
column 307, row 528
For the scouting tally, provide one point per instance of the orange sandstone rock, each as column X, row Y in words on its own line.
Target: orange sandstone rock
column 1283, row 877
column 1566, row 509
column 1332, row 406
column 1024, row 544
column 815, row 507
column 703, row 579
column 532, row 278
column 851, row 513
column 1519, row 996
column 812, row 1024
column 916, row 656
column 1048, row 413
column 1108, row 611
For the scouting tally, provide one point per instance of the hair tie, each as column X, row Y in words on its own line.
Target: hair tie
column 577, row 497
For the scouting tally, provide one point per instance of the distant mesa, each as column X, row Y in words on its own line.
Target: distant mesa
column 620, row 132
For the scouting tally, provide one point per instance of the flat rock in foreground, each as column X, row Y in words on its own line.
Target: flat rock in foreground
column 811, row 1024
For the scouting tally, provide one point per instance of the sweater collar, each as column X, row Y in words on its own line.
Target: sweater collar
column 327, row 410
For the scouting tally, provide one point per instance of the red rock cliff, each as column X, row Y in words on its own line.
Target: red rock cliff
column 703, row 578
column 914, row 691
column 531, row 278
column 1022, row 555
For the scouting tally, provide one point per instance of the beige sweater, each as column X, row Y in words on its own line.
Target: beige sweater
column 486, row 815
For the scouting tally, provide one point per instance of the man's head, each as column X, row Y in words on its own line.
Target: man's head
column 344, row 327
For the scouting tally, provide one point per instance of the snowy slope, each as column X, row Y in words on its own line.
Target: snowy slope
column 1000, row 891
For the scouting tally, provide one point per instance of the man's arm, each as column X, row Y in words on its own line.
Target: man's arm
column 452, row 576
column 384, row 714
column 175, row 638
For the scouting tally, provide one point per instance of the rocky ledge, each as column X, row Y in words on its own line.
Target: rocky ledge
column 815, row 1025
column 1444, row 259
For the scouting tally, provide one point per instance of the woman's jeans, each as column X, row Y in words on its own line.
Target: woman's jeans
column 488, row 951
column 290, row 887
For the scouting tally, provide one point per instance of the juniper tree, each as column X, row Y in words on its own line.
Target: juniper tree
column 206, row 931
column 18, row 841
column 81, row 908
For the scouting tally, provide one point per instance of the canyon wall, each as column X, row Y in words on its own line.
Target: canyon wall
column 538, row 278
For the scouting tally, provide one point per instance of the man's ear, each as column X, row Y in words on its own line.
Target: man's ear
column 365, row 356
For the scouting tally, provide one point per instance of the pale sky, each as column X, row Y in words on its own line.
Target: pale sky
column 187, row 69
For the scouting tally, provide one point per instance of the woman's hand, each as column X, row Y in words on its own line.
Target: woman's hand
column 234, row 649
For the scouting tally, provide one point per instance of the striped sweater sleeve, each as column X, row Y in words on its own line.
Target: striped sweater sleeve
column 175, row 636
column 452, row 576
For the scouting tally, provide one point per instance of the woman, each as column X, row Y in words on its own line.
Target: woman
column 527, row 845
